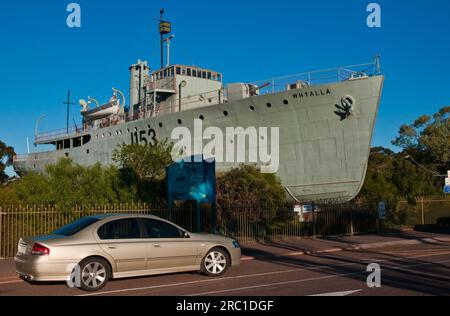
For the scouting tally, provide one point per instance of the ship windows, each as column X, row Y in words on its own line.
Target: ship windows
column 87, row 151
column 225, row 113
column 194, row 73
column 59, row 145
column 86, row 139
column 251, row 108
column 219, row 77
column 209, row 75
column 161, row 125
column 204, row 74
column 165, row 73
column 189, row 72
column 201, row 117
column 178, row 71
column 286, row 102
column 66, row 143
column 76, row 142
column 269, row 105
column 180, row 121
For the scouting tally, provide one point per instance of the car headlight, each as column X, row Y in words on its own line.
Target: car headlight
column 236, row 244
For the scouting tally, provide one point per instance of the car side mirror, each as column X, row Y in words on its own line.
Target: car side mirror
column 185, row 234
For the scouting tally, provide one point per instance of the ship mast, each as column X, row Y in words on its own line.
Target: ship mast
column 165, row 28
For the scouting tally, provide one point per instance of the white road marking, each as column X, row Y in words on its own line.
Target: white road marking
column 10, row 282
column 308, row 280
column 343, row 293
column 312, row 268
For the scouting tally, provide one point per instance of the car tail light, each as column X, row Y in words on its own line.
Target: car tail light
column 40, row 250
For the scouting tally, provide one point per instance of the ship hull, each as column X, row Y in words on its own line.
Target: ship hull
column 323, row 155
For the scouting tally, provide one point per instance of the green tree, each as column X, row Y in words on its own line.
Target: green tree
column 428, row 139
column 148, row 163
column 66, row 184
column 247, row 185
column 6, row 160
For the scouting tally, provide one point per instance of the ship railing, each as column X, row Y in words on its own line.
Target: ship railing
column 21, row 158
column 41, row 156
column 318, row 77
column 61, row 133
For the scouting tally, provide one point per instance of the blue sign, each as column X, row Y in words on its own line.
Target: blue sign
column 447, row 189
column 192, row 181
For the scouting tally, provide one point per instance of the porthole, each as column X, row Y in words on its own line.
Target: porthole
column 160, row 124
column 286, row 102
column 201, row 117
column 251, row 108
column 180, row 121
column 269, row 105
column 225, row 113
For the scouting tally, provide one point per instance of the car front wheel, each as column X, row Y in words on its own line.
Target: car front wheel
column 216, row 262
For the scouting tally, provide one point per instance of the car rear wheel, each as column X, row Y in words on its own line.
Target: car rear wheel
column 95, row 273
column 216, row 262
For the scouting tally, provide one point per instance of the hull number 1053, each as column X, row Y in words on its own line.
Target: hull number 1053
column 144, row 137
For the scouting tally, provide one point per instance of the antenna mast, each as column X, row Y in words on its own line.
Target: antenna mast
column 164, row 28
column 68, row 103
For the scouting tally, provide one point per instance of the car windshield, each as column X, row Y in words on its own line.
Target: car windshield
column 75, row 227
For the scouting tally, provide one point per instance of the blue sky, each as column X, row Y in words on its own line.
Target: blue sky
column 41, row 58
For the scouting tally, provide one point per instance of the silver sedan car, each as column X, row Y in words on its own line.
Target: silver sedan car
column 95, row 249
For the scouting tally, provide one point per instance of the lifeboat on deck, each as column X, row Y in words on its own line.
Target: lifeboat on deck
column 102, row 111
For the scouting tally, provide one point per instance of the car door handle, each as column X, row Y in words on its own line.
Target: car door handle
column 112, row 247
column 157, row 246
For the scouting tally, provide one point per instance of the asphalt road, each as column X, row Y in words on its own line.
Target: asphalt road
column 407, row 270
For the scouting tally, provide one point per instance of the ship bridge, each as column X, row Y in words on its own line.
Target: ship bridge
column 174, row 88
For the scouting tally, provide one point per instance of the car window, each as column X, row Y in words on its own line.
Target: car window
column 120, row 229
column 160, row 229
column 76, row 227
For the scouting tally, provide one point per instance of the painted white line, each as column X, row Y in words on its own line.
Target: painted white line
column 274, row 284
column 308, row 280
column 310, row 267
column 344, row 293
column 10, row 282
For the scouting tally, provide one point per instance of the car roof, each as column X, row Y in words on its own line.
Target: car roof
column 122, row 215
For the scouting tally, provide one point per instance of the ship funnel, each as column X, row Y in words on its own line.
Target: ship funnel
column 139, row 76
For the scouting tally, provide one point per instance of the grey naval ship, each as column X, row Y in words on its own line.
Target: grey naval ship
column 326, row 120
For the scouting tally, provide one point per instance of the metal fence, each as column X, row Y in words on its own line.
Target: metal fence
column 244, row 223
column 421, row 211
